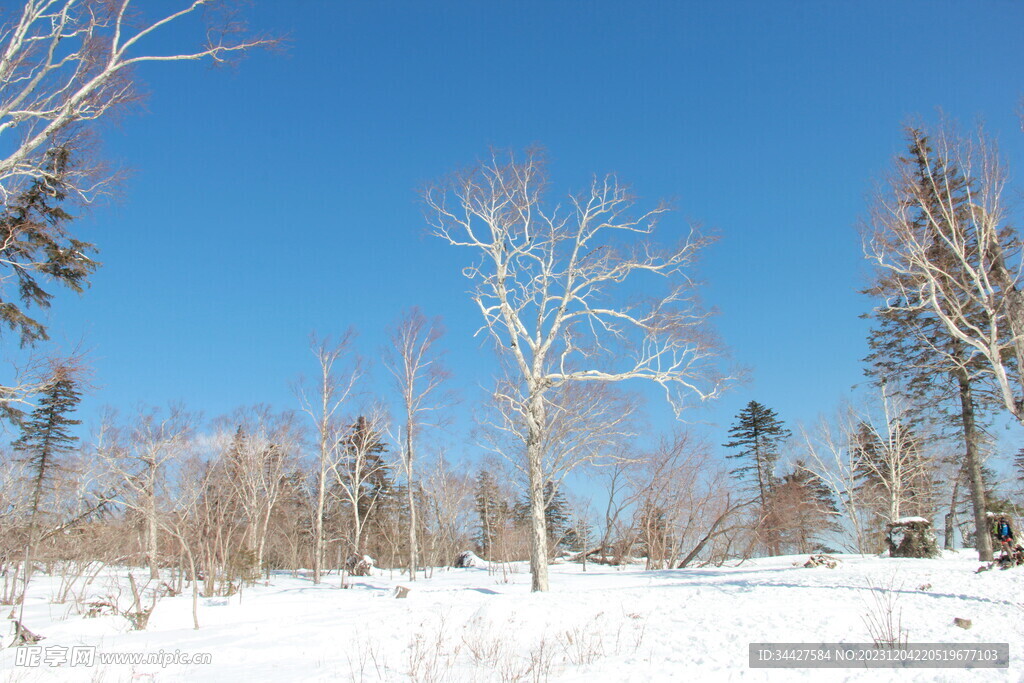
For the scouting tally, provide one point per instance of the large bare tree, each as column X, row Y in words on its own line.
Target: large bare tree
column 940, row 229
column 575, row 292
column 64, row 66
column 259, row 448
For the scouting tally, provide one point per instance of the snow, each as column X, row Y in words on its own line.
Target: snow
column 913, row 520
column 607, row 624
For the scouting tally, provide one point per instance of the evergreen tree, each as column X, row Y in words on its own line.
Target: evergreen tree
column 36, row 246
column 365, row 449
column 46, row 436
column 556, row 515
column 757, row 435
column 492, row 512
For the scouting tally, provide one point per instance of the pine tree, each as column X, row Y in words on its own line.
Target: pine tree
column 46, row 436
column 365, row 448
column 492, row 512
column 36, row 246
column 758, row 435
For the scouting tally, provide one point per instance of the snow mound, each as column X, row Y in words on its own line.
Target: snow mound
column 467, row 558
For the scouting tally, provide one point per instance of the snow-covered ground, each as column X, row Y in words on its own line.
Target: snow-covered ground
column 608, row 624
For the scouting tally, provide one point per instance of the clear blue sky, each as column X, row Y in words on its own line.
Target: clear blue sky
column 280, row 198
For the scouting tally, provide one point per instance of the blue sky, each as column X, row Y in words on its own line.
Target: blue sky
column 279, row 198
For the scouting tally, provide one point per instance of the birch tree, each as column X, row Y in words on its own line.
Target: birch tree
column 575, row 292
column 138, row 458
column 259, row 455
column 940, row 230
column 335, row 382
column 414, row 363
column 65, row 65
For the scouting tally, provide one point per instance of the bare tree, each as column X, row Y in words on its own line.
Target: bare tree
column 334, row 386
column 952, row 252
column 897, row 474
column 449, row 503
column 138, row 457
column 64, row 65
column 830, row 458
column 874, row 464
column 682, row 500
column 550, row 284
column 414, row 363
column 358, row 472
column 259, row 451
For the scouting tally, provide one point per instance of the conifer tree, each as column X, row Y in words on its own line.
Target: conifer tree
column 492, row 511
column 35, row 246
column 942, row 381
column 757, row 435
column 46, row 436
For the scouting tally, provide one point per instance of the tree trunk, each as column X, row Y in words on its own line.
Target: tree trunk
column 413, row 547
column 538, row 525
column 318, row 523
column 983, row 542
column 950, row 519
column 152, row 530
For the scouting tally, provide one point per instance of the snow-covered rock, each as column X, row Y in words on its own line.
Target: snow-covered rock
column 467, row 558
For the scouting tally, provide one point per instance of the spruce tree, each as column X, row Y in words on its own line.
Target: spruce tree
column 757, row 437
column 36, row 246
column 492, row 512
column 46, row 436
column 556, row 515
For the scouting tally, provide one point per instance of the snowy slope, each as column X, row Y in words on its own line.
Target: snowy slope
column 607, row 624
